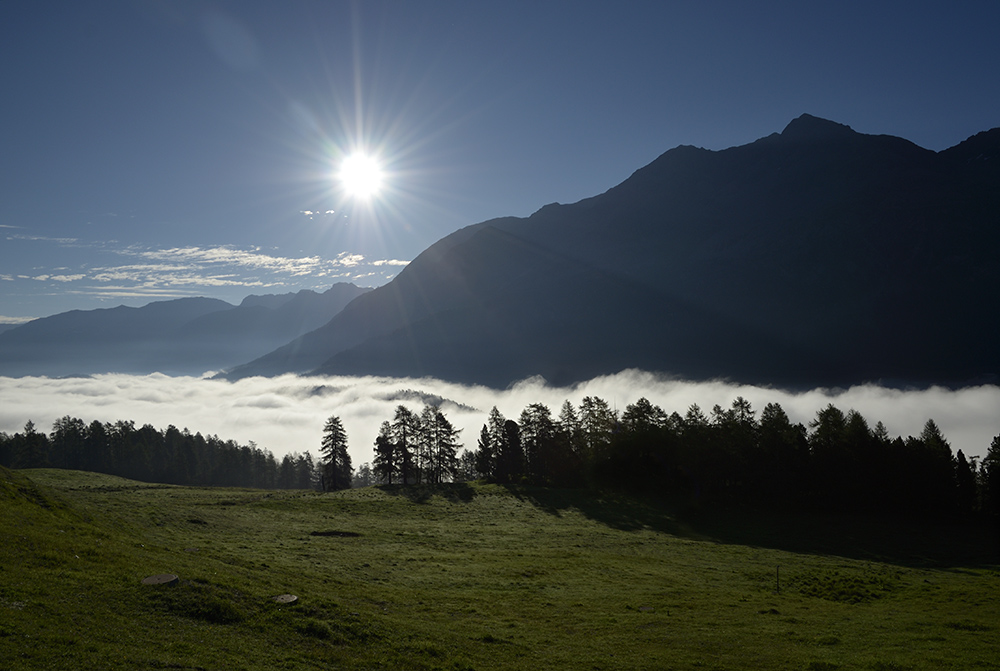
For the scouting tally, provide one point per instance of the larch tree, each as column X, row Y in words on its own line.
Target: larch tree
column 439, row 445
column 537, row 435
column 405, row 431
column 385, row 463
column 485, row 457
column 597, row 425
column 337, row 472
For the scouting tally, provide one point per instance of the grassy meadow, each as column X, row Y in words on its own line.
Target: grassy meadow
column 473, row 576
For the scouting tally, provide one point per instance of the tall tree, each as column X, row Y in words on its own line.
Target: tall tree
column 784, row 457
column 571, row 432
column 405, row 435
column 989, row 477
column 539, row 441
column 938, row 477
column 485, row 456
column 597, row 425
column 439, row 445
column 446, row 450
column 68, row 437
column 491, row 447
column 965, row 483
column 31, row 448
column 642, row 417
column 335, row 459
column 385, row 463
column 510, row 457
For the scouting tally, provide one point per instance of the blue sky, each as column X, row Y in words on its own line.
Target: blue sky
column 154, row 149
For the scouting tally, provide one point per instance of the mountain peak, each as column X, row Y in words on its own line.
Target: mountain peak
column 811, row 128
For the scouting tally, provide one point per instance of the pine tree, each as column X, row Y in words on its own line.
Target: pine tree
column 597, row 425
column 492, row 447
column 439, row 445
column 485, row 455
column 32, row 448
column 538, row 439
column 571, row 434
column 337, row 472
column 405, row 430
column 989, row 478
column 385, row 464
column 965, row 481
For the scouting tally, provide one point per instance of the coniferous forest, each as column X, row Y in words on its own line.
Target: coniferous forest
column 731, row 456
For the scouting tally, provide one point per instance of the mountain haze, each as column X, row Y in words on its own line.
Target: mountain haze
column 181, row 336
column 814, row 256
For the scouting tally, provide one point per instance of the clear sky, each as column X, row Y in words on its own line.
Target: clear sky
column 155, row 149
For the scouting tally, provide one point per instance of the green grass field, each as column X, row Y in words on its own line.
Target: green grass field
column 473, row 576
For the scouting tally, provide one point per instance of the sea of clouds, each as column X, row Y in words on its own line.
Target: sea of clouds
column 286, row 414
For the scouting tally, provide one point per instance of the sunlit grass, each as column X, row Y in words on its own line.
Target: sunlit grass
column 459, row 577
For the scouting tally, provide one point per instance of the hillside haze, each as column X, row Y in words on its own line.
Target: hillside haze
column 181, row 336
column 814, row 256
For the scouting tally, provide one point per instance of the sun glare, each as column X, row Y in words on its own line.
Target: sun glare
column 361, row 176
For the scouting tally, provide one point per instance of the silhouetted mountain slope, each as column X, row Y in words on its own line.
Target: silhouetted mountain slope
column 814, row 256
column 187, row 335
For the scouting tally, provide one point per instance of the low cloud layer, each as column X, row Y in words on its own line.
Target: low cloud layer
column 109, row 271
column 286, row 414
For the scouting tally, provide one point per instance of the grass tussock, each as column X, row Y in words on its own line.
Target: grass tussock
column 466, row 577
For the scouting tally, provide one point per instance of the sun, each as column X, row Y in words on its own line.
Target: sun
column 361, row 176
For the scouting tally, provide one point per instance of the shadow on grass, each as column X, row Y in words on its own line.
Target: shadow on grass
column 456, row 492
column 936, row 542
column 614, row 510
column 930, row 542
column 922, row 543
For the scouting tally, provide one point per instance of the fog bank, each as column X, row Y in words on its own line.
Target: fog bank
column 286, row 414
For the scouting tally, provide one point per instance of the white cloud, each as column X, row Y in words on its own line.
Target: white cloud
column 16, row 320
column 201, row 271
column 286, row 414
column 43, row 238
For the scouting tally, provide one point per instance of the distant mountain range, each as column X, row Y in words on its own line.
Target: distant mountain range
column 182, row 336
column 817, row 256
column 814, row 256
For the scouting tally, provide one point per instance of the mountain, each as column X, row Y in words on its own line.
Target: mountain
column 814, row 256
column 182, row 336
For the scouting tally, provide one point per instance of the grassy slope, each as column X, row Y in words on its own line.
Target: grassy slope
column 466, row 576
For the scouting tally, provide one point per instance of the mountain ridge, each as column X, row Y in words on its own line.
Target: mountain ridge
column 797, row 258
column 180, row 336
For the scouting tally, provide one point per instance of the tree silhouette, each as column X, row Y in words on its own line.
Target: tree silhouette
column 335, row 460
column 485, row 457
column 989, row 476
column 405, row 430
column 542, row 445
column 597, row 425
column 438, row 445
column 385, row 463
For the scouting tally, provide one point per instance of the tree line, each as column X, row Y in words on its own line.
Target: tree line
column 727, row 456
column 145, row 453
